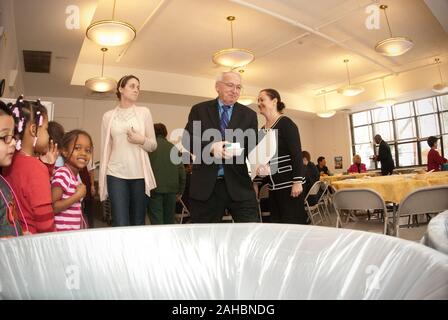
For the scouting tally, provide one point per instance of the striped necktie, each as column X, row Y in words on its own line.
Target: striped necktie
column 224, row 119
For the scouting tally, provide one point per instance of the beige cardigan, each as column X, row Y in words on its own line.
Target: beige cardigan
column 150, row 144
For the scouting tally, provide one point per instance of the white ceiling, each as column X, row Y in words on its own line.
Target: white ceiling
column 172, row 52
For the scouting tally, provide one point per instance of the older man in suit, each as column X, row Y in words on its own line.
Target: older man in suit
column 224, row 182
column 384, row 156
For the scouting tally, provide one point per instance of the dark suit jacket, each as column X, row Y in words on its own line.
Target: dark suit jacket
column 385, row 157
column 236, row 176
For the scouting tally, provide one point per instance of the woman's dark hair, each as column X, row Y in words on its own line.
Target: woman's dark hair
column 319, row 160
column 431, row 141
column 122, row 83
column 4, row 109
column 72, row 136
column 56, row 132
column 25, row 112
column 273, row 94
column 306, row 154
column 160, row 129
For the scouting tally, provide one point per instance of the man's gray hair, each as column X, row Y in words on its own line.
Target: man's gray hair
column 220, row 76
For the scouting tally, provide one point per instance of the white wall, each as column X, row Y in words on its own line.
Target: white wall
column 332, row 139
column 9, row 55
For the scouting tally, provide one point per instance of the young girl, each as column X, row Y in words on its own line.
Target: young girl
column 9, row 220
column 28, row 175
column 67, row 191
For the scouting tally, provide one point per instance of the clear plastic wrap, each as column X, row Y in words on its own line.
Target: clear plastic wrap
column 220, row 261
column 437, row 233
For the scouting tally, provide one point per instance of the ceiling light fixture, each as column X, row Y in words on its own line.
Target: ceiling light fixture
column 101, row 84
column 233, row 57
column 350, row 90
column 393, row 46
column 386, row 102
column 247, row 100
column 111, row 33
column 326, row 113
column 441, row 87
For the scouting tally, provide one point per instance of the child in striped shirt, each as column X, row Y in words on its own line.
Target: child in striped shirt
column 67, row 191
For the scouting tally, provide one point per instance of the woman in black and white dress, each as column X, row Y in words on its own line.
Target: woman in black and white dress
column 284, row 173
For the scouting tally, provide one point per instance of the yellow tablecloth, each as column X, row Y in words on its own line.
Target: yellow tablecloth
column 340, row 177
column 396, row 187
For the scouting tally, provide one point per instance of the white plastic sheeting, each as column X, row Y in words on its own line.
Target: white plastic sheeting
column 437, row 233
column 220, row 261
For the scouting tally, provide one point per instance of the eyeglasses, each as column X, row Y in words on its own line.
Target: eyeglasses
column 233, row 86
column 8, row 138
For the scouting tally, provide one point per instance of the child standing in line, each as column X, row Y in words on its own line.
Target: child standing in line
column 67, row 191
column 9, row 220
column 28, row 174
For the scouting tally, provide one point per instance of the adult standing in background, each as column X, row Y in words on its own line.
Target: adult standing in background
column 217, row 186
column 127, row 135
column 170, row 179
column 286, row 197
column 384, row 156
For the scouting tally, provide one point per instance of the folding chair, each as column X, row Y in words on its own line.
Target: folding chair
column 324, row 200
column 313, row 210
column 358, row 199
column 185, row 213
column 263, row 194
column 422, row 201
column 107, row 211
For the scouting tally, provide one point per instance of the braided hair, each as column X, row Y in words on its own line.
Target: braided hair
column 26, row 112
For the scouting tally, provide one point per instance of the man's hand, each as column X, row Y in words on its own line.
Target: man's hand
column 218, row 150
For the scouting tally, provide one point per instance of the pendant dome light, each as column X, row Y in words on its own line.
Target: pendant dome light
column 111, row 33
column 441, row 87
column 101, row 84
column 350, row 90
column 233, row 57
column 393, row 46
column 386, row 102
column 325, row 113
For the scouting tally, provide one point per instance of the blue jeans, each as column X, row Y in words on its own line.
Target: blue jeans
column 128, row 201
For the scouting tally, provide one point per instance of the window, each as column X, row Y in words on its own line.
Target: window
column 386, row 129
column 425, row 106
column 428, row 125
column 403, row 110
column 444, row 122
column 361, row 118
column 363, row 134
column 405, row 127
column 442, row 101
column 408, row 154
column 424, row 149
